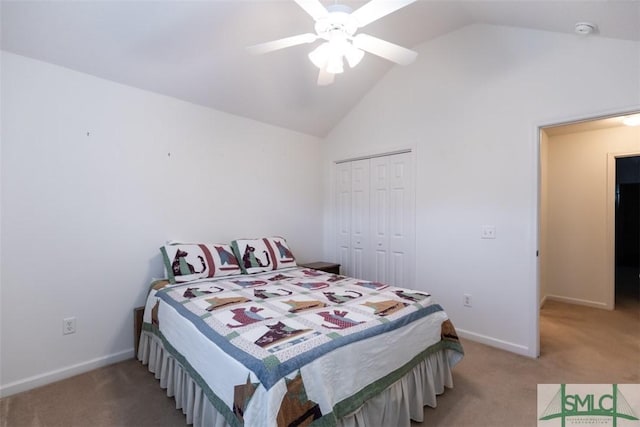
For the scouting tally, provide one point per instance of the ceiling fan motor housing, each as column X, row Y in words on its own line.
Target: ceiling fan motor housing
column 337, row 23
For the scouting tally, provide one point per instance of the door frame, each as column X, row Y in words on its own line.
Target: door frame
column 539, row 127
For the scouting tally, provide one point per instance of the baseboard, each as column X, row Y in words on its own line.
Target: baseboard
column 60, row 374
column 494, row 342
column 542, row 301
column 577, row 301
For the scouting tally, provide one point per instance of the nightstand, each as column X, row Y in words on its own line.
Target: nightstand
column 327, row 267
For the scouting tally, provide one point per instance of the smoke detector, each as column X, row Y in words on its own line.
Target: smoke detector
column 585, row 28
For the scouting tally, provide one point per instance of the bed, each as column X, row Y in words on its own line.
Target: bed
column 240, row 335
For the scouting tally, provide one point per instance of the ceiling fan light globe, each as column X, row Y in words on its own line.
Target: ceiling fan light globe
column 354, row 56
column 320, row 55
column 335, row 65
column 337, row 45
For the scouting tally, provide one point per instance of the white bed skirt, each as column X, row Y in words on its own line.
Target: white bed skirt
column 396, row 406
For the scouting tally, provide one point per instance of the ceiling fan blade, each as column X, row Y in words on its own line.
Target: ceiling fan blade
column 313, row 8
column 392, row 52
column 282, row 43
column 325, row 78
column 376, row 9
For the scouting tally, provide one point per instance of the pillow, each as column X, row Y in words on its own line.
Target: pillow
column 191, row 261
column 266, row 254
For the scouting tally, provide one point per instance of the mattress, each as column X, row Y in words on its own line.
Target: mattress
column 297, row 346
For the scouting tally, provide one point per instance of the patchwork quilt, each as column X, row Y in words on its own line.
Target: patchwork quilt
column 296, row 346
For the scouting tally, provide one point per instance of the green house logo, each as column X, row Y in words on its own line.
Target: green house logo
column 588, row 407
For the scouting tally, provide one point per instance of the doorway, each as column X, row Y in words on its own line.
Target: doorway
column 576, row 241
column 627, row 231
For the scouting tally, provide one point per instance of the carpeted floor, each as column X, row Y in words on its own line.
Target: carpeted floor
column 492, row 387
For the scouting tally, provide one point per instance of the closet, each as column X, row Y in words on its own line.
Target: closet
column 375, row 217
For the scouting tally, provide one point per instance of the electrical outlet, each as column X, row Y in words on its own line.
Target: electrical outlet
column 68, row 325
column 466, row 300
column 488, row 232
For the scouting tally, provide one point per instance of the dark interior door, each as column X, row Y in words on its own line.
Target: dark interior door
column 627, row 231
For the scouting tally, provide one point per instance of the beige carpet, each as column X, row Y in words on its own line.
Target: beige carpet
column 492, row 387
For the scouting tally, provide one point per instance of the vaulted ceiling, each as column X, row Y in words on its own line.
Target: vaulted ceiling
column 195, row 50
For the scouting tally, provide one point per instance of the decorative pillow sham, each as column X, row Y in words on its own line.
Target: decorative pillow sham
column 191, row 261
column 266, row 254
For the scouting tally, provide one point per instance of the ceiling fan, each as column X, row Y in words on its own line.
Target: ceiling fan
column 337, row 26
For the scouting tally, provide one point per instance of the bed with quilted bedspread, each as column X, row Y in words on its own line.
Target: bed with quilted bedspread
column 293, row 346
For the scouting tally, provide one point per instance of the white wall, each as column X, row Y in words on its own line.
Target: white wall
column 90, row 192
column 578, row 260
column 470, row 106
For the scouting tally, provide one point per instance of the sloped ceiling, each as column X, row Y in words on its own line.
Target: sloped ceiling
column 195, row 50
